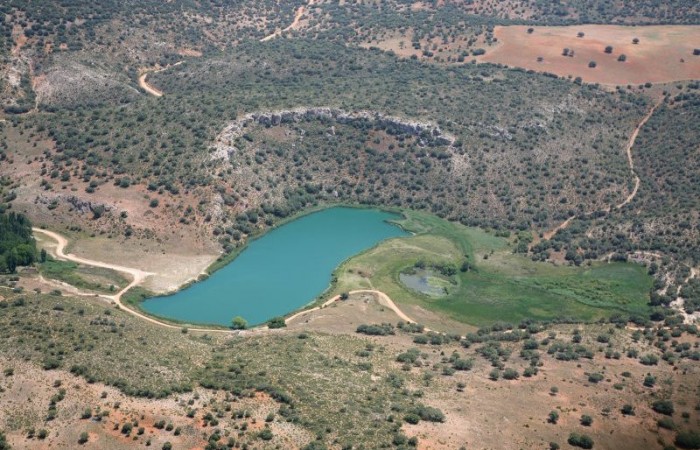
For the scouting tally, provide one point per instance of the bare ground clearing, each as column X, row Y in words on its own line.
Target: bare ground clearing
column 663, row 53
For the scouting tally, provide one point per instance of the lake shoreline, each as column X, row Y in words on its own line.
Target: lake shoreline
column 143, row 297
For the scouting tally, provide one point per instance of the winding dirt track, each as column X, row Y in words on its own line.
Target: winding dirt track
column 295, row 23
column 630, row 160
column 637, row 181
column 143, row 84
column 138, row 276
column 147, row 87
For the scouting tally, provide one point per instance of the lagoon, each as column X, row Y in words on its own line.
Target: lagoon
column 281, row 271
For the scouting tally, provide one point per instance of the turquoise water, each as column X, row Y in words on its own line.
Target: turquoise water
column 281, row 271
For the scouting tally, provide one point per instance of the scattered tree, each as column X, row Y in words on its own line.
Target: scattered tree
column 239, row 323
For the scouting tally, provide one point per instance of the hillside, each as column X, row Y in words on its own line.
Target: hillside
column 548, row 254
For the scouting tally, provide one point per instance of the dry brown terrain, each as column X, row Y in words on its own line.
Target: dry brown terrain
column 663, row 54
column 26, row 396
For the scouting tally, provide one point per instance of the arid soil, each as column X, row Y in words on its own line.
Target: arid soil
column 27, row 394
column 663, row 54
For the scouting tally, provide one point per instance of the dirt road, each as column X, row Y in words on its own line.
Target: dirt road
column 143, row 84
column 630, row 160
column 295, row 23
column 138, row 276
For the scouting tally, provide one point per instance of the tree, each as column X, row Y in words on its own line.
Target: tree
column 608, row 49
column 622, row 58
column 635, row 41
column 663, row 407
column 649, row 380
column 627, row 410
column 265, row 434
column 685, row 439
column 592, row 64
column 586, row 420
column 580, row 440
column 530, row 30
column 276, row 322
column 553, row 417
column 3, row 442
column 510, row 374
column 239, row 323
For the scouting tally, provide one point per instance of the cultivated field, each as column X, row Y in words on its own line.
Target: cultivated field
column 663, row 53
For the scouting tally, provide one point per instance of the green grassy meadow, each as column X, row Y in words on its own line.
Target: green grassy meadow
column 500, row 286
column 83, row 277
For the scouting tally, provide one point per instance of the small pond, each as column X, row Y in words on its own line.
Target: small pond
column 425, row 281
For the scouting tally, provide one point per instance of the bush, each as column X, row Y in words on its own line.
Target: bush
column 663, row 407
column 595, row 377
column 649, row 381
column 628, row 410
column 3, row 442
column 510, row 374
column 553, row 417
column 688, row 439
column 463, row 364
column 265, row 434
column 649, row 360
column 586, row 420
column 412, row 418
column 430, row 414
column 276, row 322
column 580, row 440
column 666, row 422
column 239, row 323
column 83, row 438
column 376, row 330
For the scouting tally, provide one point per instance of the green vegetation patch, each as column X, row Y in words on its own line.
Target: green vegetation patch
column 83, row 277
column 492, row 283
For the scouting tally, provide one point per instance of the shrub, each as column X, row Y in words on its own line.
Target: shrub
column 649, row 381
column 586, row 420
column 510, row 374
column 239, row 323
column 553, row 417
column 580, row 440
column 463, row 364
column 608, row 49
column 688, row 439
column 595, row 377
column 376, row 330
column 663, row 407
column 83, row 438
column 628, row 410
column 430, row 414
column 649, row 360
column 265, row 434
column 3, row 442
column 412, row 418
column 276, row 322
column 666, row 422
column 592, row 64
